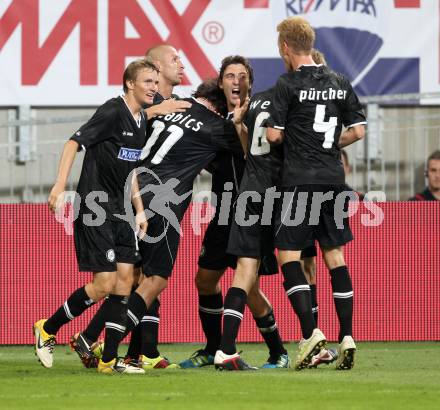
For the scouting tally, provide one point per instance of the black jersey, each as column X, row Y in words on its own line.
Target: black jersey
column 113, row 141
column 226, row 167
column 263, row 163
column 180, row 145
column 311, row 104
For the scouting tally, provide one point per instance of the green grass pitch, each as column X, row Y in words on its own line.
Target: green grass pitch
column 385, row 376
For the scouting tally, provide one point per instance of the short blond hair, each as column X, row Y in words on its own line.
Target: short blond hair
column 297, row 33
column 318, row 57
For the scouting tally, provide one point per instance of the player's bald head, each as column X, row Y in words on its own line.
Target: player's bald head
column 158, row 51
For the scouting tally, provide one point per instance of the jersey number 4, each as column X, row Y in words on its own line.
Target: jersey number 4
column 328, row 128
column 158, row 126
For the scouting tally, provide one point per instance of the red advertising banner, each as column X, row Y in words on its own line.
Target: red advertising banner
column 395, row 268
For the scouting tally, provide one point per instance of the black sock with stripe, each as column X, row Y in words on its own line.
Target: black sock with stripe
column 268, row 328
column 235, row 302
column 97, row 324
column 298, row 292
column 343, row 299
column 74, row 306
column 115, row 324
column 150, row 331
column 210, row 314
column 313, row 295
column 136, row 310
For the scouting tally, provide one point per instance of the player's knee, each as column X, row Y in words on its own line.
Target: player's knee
column 309, row 268
column 205, row 284
column 104, row 288
column 258, row 304
column 333, row 258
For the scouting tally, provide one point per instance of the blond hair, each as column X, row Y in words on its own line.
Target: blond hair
column 318, row 57
column 133, row 69
column 297, row 33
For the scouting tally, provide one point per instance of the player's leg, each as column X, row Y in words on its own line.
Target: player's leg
column 333, row 232
column 157, row 264
column 86, row 343
column 115, row 325
column 308, row 262
column 210, row 315
column 235, row 301
column 290, row 239
column 343, row 299
column 264, row 317
column 80, row 300
column 213, row 261
column 95, row 253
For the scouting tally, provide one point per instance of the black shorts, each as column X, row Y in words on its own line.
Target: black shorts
column 250, row 239
column 99, row 248
column 298, row 224
column 309, row 252
column 253, row 240
column 213, row 255
column 159, row 256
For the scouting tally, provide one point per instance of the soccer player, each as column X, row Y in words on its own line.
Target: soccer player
column 432, row 191
column 310, row 105
column 171, row 71
column 235, row 79
column 113, row 138
column 179, row 146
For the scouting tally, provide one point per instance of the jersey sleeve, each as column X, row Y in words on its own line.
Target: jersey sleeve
column 280, row 104
column 98, row 128
column 224, row 136
column 352, row 111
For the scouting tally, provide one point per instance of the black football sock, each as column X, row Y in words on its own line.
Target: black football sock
column 298, row 292
column 97, row 324
column 235, row 302
column 313, row 295
column 150, row 331
column 76, row 304
column 136, row 310
column 134, row 347
column 210, row 314
column 268, row 328
column 343, row 298
column 115, row 323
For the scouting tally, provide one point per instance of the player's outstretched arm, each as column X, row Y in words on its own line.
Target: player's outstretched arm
column 351, row 135
column 67, row 157
column 167, row 107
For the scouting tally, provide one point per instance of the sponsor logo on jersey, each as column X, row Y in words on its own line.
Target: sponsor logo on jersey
column 129, row 154
column 128, row 133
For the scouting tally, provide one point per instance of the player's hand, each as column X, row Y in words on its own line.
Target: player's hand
column 240, row 111
column 141, row 224
column 56, row 196
column 171, row 105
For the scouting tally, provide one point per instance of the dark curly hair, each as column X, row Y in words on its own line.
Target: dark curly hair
column 227, row 61
column 210, row 90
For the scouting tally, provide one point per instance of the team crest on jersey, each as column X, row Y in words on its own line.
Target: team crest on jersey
column 129, row 154
column 110, row 255
column 202, row 251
